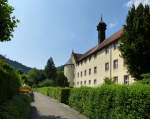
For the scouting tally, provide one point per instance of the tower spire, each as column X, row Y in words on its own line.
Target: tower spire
column 101, row 17
column 101, row 28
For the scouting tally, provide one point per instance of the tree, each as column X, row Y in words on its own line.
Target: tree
column 34, row 76
column 61, row 80
column 135, row 43
column 7, row 21
column 50, row 69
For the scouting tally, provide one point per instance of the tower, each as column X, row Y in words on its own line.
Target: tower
column 101, row 28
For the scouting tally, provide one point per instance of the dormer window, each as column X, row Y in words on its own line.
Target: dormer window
column 89, row 58
column 115, row 45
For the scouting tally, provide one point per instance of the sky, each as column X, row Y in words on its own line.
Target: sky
column 53, row 28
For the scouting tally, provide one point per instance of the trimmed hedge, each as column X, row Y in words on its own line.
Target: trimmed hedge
column 112, row 102
column 60, row 94
column 43, row 90
column 17, row 108
column 9, row 82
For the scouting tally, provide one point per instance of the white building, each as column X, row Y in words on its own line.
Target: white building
column 104, row 60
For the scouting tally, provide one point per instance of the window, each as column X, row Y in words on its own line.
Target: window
column 115, row 45
column 115, row 64
column 115, row 79
column 78, row 74
column 81, row 83
column 106, row 66
column 89, row 71
column 95, row 70
column 89, row 82
column 81, row 73
column 85, row 73
column 106, row 51
column 84, row 82
column 126, row 79
column 77, row 83
column 95, row 81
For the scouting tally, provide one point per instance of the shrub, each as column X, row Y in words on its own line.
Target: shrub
column 46, row 83
column 108, row 81
column 146, row 79
column 61, row 94
column 9, row 82
column 17, row 108
column 112, row 101
column 43, row 90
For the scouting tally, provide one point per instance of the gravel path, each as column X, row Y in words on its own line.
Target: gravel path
column 46, row 108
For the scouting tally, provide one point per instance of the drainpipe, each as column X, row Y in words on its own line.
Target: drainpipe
column 110, row 61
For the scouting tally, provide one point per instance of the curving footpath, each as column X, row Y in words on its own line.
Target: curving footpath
column 44, row 107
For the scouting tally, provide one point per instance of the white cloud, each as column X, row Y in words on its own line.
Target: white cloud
column 112, row 25
column 137, row 2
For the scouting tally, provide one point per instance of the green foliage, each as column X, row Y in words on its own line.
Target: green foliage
column 16, row 65
column 146, row 79
column 61, row 94
column 60, row 68
column 34, row 76
column 46, row 83
column 135, row 43
column 108, row 81
column 9, row 81
column 43, row 90
column 17, row 108
column 112, row 101
column 61, row 80
column 7, row 21
column 50, row 69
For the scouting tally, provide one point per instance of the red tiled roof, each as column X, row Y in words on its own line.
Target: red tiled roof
column 99, row 47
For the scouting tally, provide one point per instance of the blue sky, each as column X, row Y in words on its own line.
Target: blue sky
column 56, row 27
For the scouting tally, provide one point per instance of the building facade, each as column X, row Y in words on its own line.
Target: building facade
column 102, row 61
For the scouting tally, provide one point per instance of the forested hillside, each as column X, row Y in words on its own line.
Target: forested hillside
column 16, row 65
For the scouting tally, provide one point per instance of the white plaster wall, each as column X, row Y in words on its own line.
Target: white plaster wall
column 99, row 61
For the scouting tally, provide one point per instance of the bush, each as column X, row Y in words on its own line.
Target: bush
column 145, row 80
column 60, row 94
column 43, row 90
column 9, row 82
column 46, row 83
column 61, row 80
column 17, row 108
column 112, row 101
column 108, row 81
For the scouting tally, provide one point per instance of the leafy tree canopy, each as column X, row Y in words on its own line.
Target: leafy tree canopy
column 61, row 80
column 7, row 21
column 34, row 76
column 135, row 44
column 50, row 69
